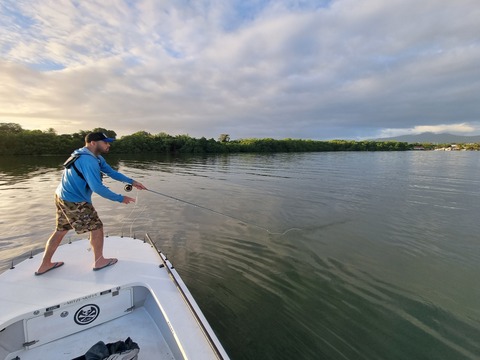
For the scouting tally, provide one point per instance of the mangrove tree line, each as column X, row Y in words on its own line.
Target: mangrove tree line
column 14, row 140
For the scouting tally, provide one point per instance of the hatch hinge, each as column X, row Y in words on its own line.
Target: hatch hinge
column 30, row 343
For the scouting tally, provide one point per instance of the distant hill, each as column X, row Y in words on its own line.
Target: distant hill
column 429, row 137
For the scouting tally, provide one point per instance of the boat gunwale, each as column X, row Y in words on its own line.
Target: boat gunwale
column 192, row 304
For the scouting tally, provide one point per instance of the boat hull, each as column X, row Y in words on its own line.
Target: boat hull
column 62, row 313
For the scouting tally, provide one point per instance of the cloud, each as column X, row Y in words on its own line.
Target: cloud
column 457, row 129
column 333, row 69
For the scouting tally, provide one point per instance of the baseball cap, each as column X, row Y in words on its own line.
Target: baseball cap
column 98, row 136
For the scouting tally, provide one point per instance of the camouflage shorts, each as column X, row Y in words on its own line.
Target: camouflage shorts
column 79, row 216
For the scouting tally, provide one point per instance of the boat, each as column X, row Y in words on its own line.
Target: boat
column 64, row 312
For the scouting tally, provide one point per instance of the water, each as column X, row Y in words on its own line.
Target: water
column 321, row 256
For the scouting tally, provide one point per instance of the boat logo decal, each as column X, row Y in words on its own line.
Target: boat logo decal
column 86, row 314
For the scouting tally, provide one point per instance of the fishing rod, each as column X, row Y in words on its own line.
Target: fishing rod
column 129, row 188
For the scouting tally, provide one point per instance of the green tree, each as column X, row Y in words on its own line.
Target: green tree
column 10, row 128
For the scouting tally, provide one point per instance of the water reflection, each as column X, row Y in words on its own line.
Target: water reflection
column 383, row 265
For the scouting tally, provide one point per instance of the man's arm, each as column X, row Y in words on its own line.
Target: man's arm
column 107, row 169
column 91, row 171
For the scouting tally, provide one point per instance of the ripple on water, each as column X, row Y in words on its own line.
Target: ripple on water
column 384, row 265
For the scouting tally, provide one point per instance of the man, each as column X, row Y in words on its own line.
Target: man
column 73, row 199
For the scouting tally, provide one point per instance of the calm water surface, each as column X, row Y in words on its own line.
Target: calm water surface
column 320, row 256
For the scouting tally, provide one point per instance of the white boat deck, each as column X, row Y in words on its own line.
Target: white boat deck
column 30, row 299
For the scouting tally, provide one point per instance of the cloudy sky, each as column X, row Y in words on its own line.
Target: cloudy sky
column 316, row 69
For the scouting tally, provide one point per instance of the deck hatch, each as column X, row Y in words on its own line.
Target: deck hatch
column 78, row 316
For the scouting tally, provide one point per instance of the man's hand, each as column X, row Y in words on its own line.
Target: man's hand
column 128, row 200
column 138, row 185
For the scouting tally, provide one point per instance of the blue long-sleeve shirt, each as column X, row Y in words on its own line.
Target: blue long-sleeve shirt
column 74, row 189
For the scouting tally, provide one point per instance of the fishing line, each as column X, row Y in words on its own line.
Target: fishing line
column 135, row 219
column 131, row 212
column 128, row 188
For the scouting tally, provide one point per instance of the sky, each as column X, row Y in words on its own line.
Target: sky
column 309, row 69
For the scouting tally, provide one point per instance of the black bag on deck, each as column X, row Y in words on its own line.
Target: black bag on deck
column 120, row 350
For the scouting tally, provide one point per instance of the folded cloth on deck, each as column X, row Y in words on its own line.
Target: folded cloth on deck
column 120, row 350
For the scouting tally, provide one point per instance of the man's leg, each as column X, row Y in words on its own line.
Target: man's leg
column 52, row 245
column 96, row 240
